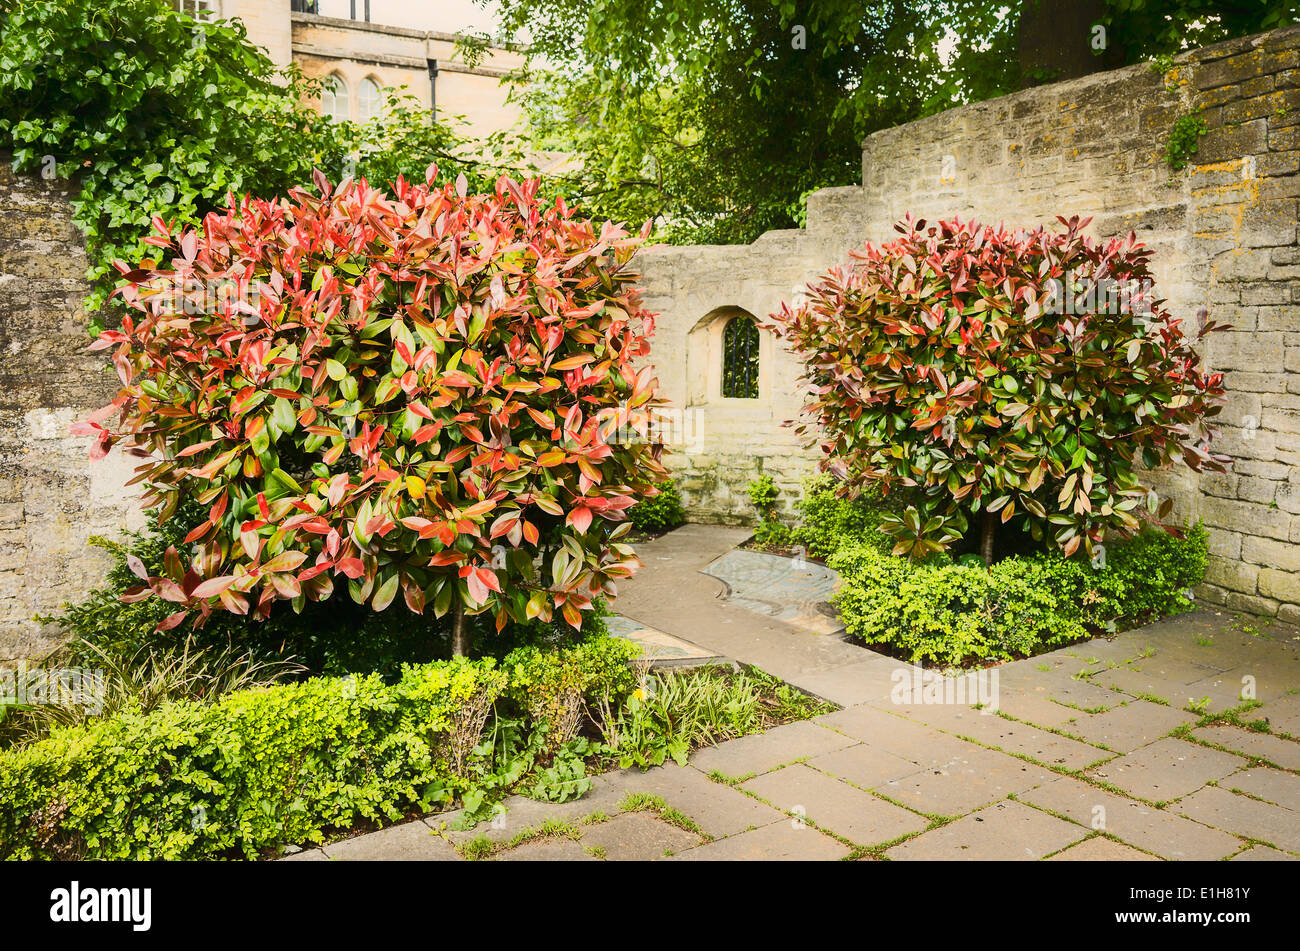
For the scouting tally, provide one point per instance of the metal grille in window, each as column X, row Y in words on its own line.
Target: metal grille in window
column 740, row 359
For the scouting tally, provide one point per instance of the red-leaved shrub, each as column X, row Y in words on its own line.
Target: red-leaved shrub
column 414, row 395
column 1024, row 375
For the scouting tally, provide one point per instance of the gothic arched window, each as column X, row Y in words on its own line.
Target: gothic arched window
column 334, row 99
column 370, row 99
column 740, row 359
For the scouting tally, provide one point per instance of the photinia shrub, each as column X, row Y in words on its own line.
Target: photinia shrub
column 415, row 396
column 1018, row 375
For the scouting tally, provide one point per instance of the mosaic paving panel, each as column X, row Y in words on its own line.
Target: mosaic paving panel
column 794, row 590
column 659, row 648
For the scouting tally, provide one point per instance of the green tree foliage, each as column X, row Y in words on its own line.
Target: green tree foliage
column 156, row 113
column 718, row 117
column 1149, row 28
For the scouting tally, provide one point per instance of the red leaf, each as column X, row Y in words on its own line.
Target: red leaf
column 172, row 620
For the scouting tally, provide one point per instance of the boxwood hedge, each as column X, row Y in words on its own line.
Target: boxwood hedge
column 260, row 768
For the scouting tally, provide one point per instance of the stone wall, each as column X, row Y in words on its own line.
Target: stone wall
column 720, row 444
column 52, row 498
column 1223, row 231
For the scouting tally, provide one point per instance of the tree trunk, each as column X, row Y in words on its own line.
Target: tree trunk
column 988, row 527
column 459, row 630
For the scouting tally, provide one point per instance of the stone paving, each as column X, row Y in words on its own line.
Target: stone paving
column 1103, row 751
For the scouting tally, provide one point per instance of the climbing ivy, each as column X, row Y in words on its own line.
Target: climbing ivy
column 1184, row 140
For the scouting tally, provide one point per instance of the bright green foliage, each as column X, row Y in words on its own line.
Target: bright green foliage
column 257, row 769
column 718, row 117
column 661, row 512
column 955, row 614
column 254, row 770
column 1158, row 28
column 674, row 712
column 552, row 686
column 764, row 495
column 828, row 521
column 1184, row 140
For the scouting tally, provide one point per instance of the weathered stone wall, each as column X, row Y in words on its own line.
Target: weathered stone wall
column 1223, row 231
column 722, row 444
column 52, row 498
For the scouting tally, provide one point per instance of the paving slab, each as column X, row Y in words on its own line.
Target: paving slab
column 1214, row 806
column 885, row 731
column 1132, row 682
column 864, row 766
column 795, row 590
column 546, row 850
column 660, row 649
column 1035, row 708
column 1065, row 690
column 671, row 594
column 1164, row 666
column 1270, row 784
column 1225, row 648
column 306, row 855
column 1234, row 687
column 1167, row 769
column 1101, row 849
column 1096, row 654
column 763, row 752
column 719, row 810
column 1038, row 744
column 786, row 841
column 1262, row 853
column 1154, row 830
column 967, row 782
column 1006, row 831
column 834, row 805
column 949, row 717
column 523, row 813
column 1283, row 753
column 871, row 678
column 1131, row 726
column 408, row 842
column 636, row 837
column 1282, row 714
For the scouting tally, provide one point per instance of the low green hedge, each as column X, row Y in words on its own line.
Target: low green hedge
column 260, row 768
column 659, row 513
column 953, row 614
column 551, row 685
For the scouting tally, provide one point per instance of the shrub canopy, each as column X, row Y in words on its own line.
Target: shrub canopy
column 1025, row 373
column 413, row 394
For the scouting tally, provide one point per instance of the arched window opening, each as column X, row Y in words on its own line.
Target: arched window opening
column 740, row 359
column 334, row 99
column 370, row 100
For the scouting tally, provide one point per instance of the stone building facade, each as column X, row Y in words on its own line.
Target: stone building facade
column 361, row 56
column 1224, row 234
